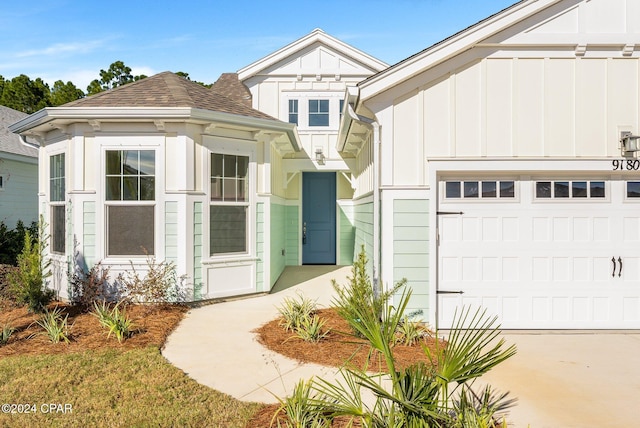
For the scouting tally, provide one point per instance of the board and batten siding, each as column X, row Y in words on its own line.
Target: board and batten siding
column 411, row 251
column 19, row 192
column 498, row 107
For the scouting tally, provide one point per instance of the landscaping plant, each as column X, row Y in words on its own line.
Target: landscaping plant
column 89, row 287
column 300, row 409
column 159, row 284
column 114, row 320
column 27, row 283
column 311, row 329
column 5, row 333
column 55, row 325
column 294, row 310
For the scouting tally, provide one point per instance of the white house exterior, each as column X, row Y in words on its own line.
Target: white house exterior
column 502, row 181
column 18, row 174
column 162, row 167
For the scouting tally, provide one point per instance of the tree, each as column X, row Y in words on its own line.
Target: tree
column 118, row 74
column 63, row 93
column 26, row 95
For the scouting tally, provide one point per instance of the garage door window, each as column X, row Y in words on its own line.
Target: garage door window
column 475, row 189
column 566, row 189
column 633, row 189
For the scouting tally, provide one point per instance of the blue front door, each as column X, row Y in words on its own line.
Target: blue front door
column 319, row 218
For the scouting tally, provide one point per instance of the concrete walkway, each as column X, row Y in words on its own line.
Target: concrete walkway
column 215, row 345
column 561, row 379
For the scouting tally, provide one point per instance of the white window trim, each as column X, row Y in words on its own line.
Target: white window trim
column 52, row 203
column 158, row 202
column 238, row 148
column 303, row 98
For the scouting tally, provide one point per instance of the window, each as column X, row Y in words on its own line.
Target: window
column 633, row 189
column 341, row 108
column 229, row 204
column 130, row 194
column 318, row 112
column 567, row 189
column 474, row 189
column 56, row 202
column 293, row 111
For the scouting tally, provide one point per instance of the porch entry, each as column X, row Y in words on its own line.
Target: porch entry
column 319, row 218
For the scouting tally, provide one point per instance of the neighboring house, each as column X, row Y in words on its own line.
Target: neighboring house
column 18, row 174
column 501, row 177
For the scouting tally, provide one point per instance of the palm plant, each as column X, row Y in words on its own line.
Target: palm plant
column 418, row 396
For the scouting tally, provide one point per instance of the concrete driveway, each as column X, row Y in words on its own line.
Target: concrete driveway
column 572, row 379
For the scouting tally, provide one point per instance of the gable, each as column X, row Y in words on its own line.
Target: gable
column 315, row 53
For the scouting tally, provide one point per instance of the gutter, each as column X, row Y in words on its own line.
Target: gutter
column 375, row 126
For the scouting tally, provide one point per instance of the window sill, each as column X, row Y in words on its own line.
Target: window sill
column 230, row 260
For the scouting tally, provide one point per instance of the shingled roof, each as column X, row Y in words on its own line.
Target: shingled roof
column 10, row 142
column 231, row 87
column 168, row 90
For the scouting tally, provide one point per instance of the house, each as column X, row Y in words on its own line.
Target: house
column 162, row 167
column 18, row 173
column 505, row 167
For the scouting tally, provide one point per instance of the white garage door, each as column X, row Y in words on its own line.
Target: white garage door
column 541, row 253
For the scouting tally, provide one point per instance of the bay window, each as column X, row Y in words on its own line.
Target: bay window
column 130, row 202
column 229, row 205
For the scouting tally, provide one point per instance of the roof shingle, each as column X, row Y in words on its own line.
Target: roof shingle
column 168, row 90
column 10, row 142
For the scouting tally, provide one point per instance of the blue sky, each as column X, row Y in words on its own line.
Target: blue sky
column 71, row 40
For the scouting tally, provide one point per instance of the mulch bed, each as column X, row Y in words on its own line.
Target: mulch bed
column 152, row 325
column 338, row 348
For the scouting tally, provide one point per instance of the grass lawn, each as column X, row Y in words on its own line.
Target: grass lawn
column 112, row 388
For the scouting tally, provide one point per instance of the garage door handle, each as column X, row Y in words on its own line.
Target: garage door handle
column 620, row 271
column 613, row 273
column 449, row 292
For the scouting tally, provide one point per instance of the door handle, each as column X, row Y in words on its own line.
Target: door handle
column 620, row 271
column 304, row 233
column 613, row 273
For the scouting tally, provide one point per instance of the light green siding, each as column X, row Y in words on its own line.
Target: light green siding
column 411, row 250
column 347, row 234
column 278, row 241
column 260, row 245
column 292, row 233
column 89, row 234
column 363, row 216
column 197, row 251
column 171, row 231
column 19, row 193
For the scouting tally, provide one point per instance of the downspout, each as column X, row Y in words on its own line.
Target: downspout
column 24, row 142
column 375, row 126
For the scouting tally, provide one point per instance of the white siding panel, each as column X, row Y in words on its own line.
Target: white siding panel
column 437, row 119
column 468, row 108
column 622, row 109
column 605, row 16
column 529, row 107
column 499, row 114
column 559, row 116
column 591, row 107
column 268, row 99
column 406, row 164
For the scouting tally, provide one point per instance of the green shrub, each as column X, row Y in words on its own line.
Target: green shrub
column 54, row 325
column 159, row 284
column 114, row 320
column 12, row 241
column 295, row 310
column 359, row 295
column 5, row 333
column 411, row 332
column 27, row 284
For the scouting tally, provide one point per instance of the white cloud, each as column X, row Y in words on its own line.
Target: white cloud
column 64, row 49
